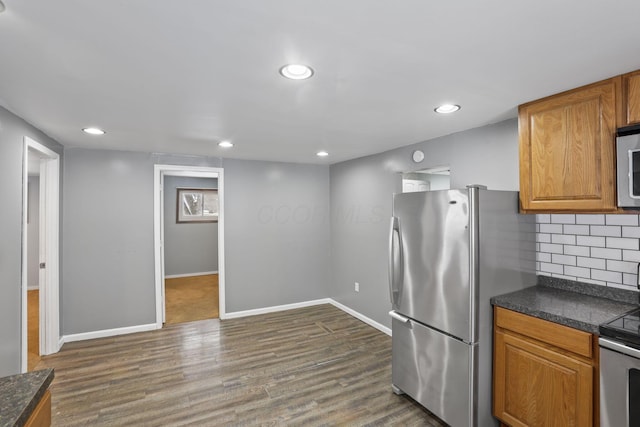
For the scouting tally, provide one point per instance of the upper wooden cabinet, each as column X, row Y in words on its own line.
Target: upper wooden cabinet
column 630, row 99
column 567, row 150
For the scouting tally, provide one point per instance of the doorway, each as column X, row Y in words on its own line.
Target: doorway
column 190, row 244
column 160, row 193
column 44, row 163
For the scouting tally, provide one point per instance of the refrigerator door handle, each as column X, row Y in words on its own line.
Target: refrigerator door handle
column 394, row 232
column 399, row 317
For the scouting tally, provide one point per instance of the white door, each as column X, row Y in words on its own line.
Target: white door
column 49, row 248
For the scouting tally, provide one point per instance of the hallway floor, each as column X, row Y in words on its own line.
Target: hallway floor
column 191, row 298
column 33, row 329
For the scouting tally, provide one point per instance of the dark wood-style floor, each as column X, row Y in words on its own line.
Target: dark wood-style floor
column 311, row 366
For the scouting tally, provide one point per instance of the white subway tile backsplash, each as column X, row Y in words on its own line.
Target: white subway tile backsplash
column 621, row 286
column 550, row 247
column 543, row 237
column 629, row 279
column 622, row 266
column 631, row 232
column 543, row 257
column 551, row 228
column 564, row 276
column 577, row 250
column 603, row 249
column 595, row 282
column 606, row 276
column 564, row 259
column 621, row 220
column 565, row 239
column 591, row 241
column 633, row 256
column 563, row 219
column 605, row 230
column 551, row 268
column 606, row 253
column 543, row 218
column 600, row 264
column 576, row 229
column 581, row 272
column 590, row 219
column 622, row 243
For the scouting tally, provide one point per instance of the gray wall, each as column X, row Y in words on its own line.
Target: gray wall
column 108, row 250
column 12, row 132
column 361, row 202
column 192, row 247
column 276, row 233
column 33, row 233
column 275, row 252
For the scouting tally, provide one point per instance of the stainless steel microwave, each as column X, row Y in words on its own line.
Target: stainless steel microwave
column 628, row 166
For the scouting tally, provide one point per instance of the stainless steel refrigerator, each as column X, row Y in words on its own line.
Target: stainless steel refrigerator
column 450, row 252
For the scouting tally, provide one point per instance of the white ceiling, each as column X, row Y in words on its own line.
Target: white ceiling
column 179, row 76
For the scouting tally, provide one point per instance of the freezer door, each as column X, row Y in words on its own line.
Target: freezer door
column 429, row 260
column 437, row 371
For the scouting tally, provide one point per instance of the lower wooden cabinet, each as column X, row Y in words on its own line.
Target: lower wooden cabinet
column 41, row 416
column 539, row 382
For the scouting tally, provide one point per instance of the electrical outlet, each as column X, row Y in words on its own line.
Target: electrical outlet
column 357, row 287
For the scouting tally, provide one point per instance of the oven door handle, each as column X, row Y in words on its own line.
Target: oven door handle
column 620, row 348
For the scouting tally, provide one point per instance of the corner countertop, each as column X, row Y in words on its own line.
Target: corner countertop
column 581, row 306
column 20, row 394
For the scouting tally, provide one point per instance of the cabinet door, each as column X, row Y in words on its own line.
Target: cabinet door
column 567, row 150
column 631, row 98
column 535, row 386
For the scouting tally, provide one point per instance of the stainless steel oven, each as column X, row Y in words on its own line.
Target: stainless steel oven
column 620, row 371
column 628, row 166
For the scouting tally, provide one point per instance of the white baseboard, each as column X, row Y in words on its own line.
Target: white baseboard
column 234, row 315
column 275, row 308
column 202, row 273
column 360, row 316
column 33, row 288
column 336, row 304
column 108, row 333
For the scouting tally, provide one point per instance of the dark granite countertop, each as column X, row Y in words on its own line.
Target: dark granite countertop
column 578, row 305
column 20, row 394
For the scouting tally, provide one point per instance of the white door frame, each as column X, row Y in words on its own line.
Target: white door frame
column 49, row 248
column 159, row 172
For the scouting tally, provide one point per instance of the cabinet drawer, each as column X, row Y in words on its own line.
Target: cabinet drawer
column 563, row 337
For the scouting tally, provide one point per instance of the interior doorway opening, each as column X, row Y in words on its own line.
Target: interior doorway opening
column 163, row 216
column 190, row 246
column 44, row 163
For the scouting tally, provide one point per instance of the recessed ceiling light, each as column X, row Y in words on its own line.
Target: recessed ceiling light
column 447, row 108
column 322, row 154
column 225, row 144
column 296, row 71
column 93, row 131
